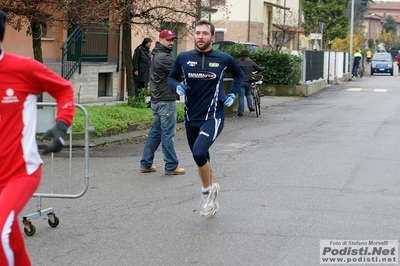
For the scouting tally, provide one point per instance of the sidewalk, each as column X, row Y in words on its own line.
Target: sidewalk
column 266, row 101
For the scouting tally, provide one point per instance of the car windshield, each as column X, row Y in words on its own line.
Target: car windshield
column 222, row 45
column 216, row 46
column 382, row 57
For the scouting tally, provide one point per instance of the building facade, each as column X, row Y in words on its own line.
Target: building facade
column 270, row 24
column 375, row 18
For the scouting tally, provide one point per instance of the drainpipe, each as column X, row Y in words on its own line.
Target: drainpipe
column 248, row 23
column 122, row 72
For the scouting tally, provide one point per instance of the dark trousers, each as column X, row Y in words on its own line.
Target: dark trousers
column 138, row 87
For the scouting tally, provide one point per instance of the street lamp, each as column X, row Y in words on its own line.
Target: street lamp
column 321, row 29
column 351, row 38
column 211, row 10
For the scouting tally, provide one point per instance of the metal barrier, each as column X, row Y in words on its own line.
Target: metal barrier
column 45, row 121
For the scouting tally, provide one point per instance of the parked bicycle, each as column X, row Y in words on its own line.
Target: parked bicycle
column 256, row 80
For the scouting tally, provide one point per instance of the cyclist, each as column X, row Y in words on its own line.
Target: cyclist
column 357, row 60
column 368, row 54
column 247, row 65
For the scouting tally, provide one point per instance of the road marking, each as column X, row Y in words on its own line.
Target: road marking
column 380, row 90
column 354, row 89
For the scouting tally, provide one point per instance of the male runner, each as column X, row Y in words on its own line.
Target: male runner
column 203, row 72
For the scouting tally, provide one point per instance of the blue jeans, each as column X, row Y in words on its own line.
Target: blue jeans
column 162, row 131
column 245, row 91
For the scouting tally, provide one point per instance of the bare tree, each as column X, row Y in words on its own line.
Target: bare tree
column 143, row 16
column 147, row 16
column 35, row 14
column 284, row 29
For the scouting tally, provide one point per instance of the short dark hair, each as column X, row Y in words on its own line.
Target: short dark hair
column 206, row 22
column 146, row 41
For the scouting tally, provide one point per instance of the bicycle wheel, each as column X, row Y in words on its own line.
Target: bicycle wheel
column 256, row 101
column 259, row 102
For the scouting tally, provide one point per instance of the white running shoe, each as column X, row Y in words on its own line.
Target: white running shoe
column 209, row 204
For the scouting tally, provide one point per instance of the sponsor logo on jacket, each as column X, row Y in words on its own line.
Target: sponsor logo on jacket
column 9, row 97
column 205, row 75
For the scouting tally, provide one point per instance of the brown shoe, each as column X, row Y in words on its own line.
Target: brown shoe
column 177, row 171
column 148, row 170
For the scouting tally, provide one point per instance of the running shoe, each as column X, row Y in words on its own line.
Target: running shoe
column 209, row 204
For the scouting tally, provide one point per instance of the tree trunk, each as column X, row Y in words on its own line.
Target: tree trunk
column 37, row 46
column 127, row 53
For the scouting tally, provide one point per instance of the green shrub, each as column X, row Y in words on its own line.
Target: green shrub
column 114, row 119
column 111, row 119
column 180, row 112
column 281, row 68
column 140, row 100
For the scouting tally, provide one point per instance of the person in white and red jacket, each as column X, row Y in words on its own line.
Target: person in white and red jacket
column 21, row 79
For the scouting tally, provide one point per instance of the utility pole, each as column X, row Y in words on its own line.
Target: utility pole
column 351, row 38
column 321, row 29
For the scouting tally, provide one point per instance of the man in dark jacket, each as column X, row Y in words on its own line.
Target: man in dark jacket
column 141, row 65
column 163, row 103
column 247, row 65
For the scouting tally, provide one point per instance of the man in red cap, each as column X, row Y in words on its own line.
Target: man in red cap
column 163, row 103
column 167, row 34
column 20, row 163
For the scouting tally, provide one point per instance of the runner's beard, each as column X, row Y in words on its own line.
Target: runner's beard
column 205, row 46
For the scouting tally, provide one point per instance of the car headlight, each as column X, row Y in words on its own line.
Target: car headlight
column 373, row 65
column 390, row 66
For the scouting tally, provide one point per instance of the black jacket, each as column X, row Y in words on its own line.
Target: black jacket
column 247, row 65
column 161, row 65
column 141, row 62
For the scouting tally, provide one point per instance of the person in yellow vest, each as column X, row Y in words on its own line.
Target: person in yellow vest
column 368, row 54
column 356, row 62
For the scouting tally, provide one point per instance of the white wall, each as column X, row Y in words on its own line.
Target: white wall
column 87, row 83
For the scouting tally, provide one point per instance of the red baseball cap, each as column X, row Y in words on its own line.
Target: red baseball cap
column 167, row 34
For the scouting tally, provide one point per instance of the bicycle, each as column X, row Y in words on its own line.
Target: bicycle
column 256, row 80
column 360, row 71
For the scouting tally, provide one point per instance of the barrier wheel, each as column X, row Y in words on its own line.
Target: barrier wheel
column 30, row 232
column 55, row 223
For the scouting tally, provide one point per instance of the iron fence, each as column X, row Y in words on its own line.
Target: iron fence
column 97, row 44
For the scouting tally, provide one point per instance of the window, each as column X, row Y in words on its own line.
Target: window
column 220, row 34
column 105, row 85
column 43, row 30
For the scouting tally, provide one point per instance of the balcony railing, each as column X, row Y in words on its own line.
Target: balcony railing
column 97, row 44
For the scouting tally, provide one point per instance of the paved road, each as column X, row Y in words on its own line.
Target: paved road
column 315, row 168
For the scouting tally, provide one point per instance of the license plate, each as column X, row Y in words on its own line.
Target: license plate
column 382, row 69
